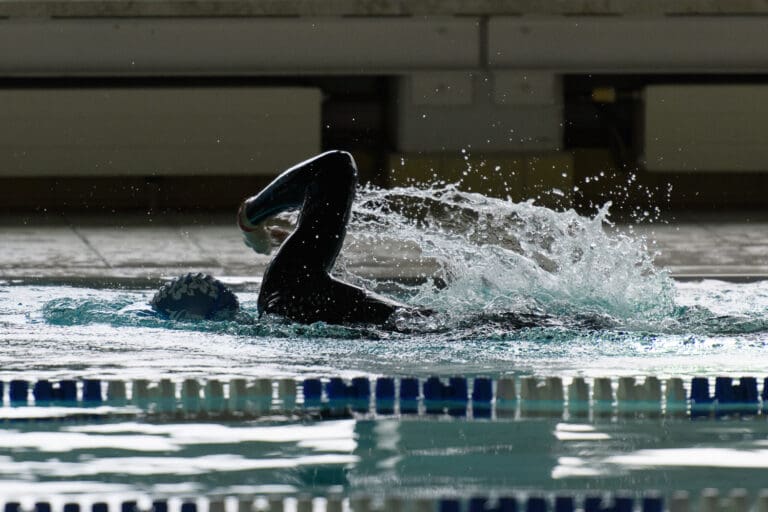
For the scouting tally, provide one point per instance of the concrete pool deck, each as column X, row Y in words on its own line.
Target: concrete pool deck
column 129, row 247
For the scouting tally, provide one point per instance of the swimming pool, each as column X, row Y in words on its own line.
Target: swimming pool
column 550, row 295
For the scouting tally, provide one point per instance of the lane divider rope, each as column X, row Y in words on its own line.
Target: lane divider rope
column 478, row 397
column 709, row 500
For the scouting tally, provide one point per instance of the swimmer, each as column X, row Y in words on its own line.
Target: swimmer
column 297, row 283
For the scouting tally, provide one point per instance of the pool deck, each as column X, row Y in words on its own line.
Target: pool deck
column 76, row 248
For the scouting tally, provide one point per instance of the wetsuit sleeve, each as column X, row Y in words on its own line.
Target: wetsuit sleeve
column 288, row 190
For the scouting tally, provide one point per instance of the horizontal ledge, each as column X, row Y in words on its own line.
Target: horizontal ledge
column 231, row 46
column 378, row 8
column 628, row 44
column 283, row 45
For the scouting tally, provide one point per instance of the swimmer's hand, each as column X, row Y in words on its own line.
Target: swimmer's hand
column 255, row 236
column 259, row 237
column 277, row 234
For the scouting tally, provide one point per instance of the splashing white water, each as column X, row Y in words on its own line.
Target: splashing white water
column 496, row 256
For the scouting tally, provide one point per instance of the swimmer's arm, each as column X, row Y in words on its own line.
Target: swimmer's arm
column 284, row 193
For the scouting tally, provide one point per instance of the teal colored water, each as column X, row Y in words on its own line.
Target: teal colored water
column 406, row 458
column 518, row 289
column 60, row 332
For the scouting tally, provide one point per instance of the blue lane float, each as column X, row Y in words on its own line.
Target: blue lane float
column 43, row 391
column 356, row 394
column 439, row 396
column 618, row 504
column 409, row 395
column 739, row 500
column 385, row 396
column 652, row 504
column 741, row 398
column 482, row 398
column 458, row 396
column 504, row 504
column 63, row 392
column 18, row 391
column 67, row 391
column 92, row 391
column 512, row 502
column 313, row 392
column 536, row 504
column 564, row 504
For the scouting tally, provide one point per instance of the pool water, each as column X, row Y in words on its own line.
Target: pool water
column 519, row 290
column 382, row 457
column 60, row 332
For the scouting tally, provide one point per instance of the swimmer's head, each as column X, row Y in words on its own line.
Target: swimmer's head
column 195, row 297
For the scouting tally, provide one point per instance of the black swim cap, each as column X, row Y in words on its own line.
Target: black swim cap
column 195, row 297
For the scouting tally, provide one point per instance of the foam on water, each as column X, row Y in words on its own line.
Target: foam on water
column 517, row 287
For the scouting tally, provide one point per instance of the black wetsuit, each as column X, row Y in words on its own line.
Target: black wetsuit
column 297, row 283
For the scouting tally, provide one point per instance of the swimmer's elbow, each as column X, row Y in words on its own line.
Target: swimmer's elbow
column 338, row 164
column 339, row 158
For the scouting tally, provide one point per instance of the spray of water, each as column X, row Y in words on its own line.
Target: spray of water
column 493, row 256
column 515, row 286
column 487, row 266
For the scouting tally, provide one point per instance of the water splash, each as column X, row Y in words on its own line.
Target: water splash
column 493, row 256
column 492, row 269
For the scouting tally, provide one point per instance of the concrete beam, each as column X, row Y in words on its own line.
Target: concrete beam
column 391, row 45
column 217, row 8
column 254, row 46
column 600, row 44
